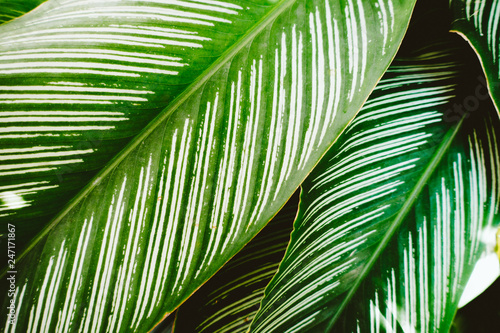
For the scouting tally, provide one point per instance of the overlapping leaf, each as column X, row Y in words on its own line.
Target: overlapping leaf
column 11, row 9
column 478, row 22
column 79, row 78
column 418, row 281
column 366, row 186
column 230, row 299
column 206, row 175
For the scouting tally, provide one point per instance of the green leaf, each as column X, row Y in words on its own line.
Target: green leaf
column 478, row 21
column 78, row 79
column 11, row 9
column 231, row 298
column 209, row 172
column 402, row 175
column 441, row 241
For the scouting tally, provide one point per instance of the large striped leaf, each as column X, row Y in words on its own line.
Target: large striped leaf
column 478, row 22
column 207, row 174
column 417, row 283
column 392, row 167
column 230, row 299
column 79, row 78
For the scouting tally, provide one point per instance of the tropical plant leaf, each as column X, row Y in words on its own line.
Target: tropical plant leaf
column 78, row 79
column 230, row 299
column 11, row 9
column 478, row 21
column 207, row 174
column 438, row 246
column 360, row 193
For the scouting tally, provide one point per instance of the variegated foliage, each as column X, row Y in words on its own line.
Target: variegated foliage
column 230, row 299
column 206, row 175
column 405, row 176
column 79, row 78
column 478, row 22
column 439, row 268
column 443, row 236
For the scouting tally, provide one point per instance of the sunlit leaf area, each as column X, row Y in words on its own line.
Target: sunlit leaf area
column 260, row 166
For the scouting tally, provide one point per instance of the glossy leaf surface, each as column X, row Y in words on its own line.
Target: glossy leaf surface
column 230, row 299
column 206, row 175
column 478, row 22
column 78, row 79
column 440, row 242
column 391, row 167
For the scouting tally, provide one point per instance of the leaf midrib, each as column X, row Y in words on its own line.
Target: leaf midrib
column 225, row 58
column 405, row 209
